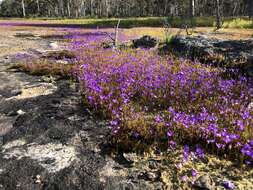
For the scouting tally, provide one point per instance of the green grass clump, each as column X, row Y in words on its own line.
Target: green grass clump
column 111, row 22
column 244, row 23
column 237, row 22
column 197, row 21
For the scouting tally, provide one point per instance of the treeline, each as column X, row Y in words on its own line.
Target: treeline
column 124, row 8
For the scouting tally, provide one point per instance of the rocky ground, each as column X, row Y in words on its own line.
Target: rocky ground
column 49, row 140
column 218, row 52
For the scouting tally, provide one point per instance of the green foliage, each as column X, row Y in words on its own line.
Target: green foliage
column 197, row 21
column 7, row 10
column 112, row 22
column 173, row 22
column 238, row 23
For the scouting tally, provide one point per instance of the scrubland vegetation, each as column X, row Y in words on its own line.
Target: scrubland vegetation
column 177, row 22
column 153, row 99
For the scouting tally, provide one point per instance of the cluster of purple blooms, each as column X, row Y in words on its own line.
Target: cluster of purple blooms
column 167, row 97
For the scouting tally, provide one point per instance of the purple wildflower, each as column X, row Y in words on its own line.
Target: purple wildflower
column 186, row 153
column 194, row 173
column 229, row 185
column 199, row 152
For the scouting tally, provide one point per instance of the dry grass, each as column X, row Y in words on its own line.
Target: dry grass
column 45, row 67
column 226, row 34
column 59, row 55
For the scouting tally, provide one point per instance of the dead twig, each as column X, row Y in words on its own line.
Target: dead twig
column 114, row 37
column 117, row 34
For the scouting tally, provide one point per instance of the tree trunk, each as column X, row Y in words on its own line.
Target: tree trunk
column 165, row 7
column 107, row 8
column 192, row 12
column 91, row 7
column 61, row 7
column 218, row 14
column 38, row 7
column 23, row 8
column 83, row 9
column 56, row 11
column 250, row 8
column 192, row 8
column 235, row 8
column 117, row 34
column 68, row 7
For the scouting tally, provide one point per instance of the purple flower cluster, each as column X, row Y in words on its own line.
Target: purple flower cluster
column 247, row 149
column 147, row 95
column 198, row 152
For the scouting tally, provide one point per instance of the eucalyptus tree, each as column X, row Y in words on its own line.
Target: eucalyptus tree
column 218, row 4
column 250, row 8
column 23, row 8
column 192, row 8
column 126, row 8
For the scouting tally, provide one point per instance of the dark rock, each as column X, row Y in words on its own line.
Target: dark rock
column 204, row 182
column 145, row 42
column 152, row 164
column 24, row 35
column 230, row 54
column 19, row 174
column 150, row 175
column 59, row 55
column 154, row 175
column 143, row 175
column 12, row 113
column 55, row 133
column 107, row 45
column 119, row 158
column 55, row 101
column 249, row 66
column 119, row 184
column 16, row 92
